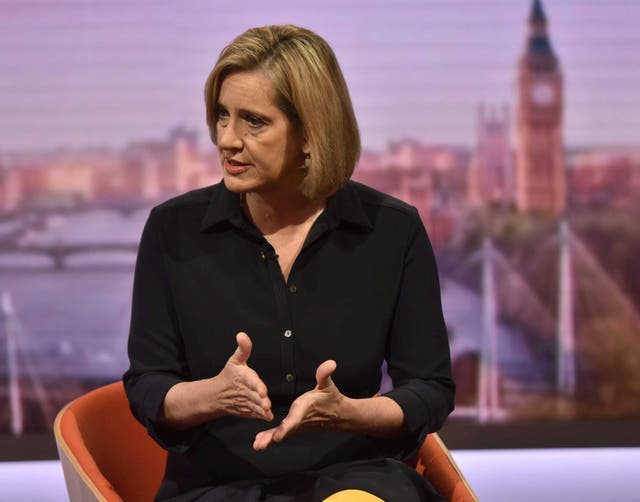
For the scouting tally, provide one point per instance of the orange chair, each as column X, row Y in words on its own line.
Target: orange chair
column 107, row 455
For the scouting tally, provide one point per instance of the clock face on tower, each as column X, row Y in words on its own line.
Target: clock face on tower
column 543, row 94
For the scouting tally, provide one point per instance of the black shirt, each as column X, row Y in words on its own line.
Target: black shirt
column 363, row 289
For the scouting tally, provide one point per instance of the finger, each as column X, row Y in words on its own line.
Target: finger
column 259, row 392
column 324, row 372
column 249, row 411
column 243, row 393
column 249, row 379
column 260, row 387
column 242, row 353
column 244, row 406
column 290, row 422
column 250, row 402
column 242, row 375
column 263, row 439
column 266, row 406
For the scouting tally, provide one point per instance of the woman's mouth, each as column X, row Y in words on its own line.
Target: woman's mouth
column 235, row 167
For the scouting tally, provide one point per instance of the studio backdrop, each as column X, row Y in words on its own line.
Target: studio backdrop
column 512, row 125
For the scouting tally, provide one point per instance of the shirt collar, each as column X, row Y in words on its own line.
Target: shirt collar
column 223, row 206
column 344, row 206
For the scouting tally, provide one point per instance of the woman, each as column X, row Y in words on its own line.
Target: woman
column 264, row 306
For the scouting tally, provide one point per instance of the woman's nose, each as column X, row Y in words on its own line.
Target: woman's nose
column 228, row 137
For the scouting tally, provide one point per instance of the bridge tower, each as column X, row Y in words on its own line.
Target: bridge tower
column 566, row 365
column 8, row 327
column 488, row 378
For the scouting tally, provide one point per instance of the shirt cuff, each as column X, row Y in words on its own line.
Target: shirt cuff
column 416, row 412
column 416, row 416
column 170, row 439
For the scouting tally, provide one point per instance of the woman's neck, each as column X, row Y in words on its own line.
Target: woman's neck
column 273, row 213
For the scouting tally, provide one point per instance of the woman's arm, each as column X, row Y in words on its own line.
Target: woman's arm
column 418, row 357
column 378, row 416
column 161, row 392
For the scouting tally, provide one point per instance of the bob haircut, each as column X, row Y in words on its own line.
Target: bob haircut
column 311, row 91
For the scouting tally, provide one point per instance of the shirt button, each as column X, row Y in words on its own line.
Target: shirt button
column 287, row 334
column 293, row 288
column 289, row 377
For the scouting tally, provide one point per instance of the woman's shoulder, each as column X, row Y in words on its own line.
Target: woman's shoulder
column 185, row 212
column 200, row 197
column 374, row 199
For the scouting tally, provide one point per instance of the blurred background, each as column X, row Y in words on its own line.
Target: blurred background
column 512, row 125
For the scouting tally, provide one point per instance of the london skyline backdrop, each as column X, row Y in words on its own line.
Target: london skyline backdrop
column 84, row 73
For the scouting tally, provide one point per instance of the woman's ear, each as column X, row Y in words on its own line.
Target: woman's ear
column 306, row 147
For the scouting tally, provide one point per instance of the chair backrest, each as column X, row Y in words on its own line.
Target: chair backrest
column 437, row 465
column 106, row 454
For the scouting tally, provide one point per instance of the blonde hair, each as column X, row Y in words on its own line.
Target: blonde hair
column 311, row 91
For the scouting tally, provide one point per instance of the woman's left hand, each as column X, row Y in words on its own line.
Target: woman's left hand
column 317, row 409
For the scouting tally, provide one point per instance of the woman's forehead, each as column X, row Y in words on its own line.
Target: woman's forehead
column 248, row 86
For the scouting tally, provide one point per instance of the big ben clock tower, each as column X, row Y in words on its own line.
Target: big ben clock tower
column 540, row 173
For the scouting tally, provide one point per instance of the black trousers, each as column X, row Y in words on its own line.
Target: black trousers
column 389, row 479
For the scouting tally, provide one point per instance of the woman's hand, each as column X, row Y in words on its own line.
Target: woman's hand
column 240, row 391
column 325, row 407
column 237, row 390
column 317, row 409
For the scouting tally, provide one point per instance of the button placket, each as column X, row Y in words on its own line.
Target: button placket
column 283, row 308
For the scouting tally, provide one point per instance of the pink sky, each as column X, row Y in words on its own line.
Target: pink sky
column 85, row 73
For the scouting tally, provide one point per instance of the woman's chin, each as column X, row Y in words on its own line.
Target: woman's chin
column 238, row 185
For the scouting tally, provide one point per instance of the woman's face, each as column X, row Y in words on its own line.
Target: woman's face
column 259, row 148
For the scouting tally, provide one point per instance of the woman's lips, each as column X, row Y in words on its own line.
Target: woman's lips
column 235, row 167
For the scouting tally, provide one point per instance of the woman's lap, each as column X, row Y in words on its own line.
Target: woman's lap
column 389, row 479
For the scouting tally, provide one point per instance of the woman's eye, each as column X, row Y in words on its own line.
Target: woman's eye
column 254, row 121
column 223, row 114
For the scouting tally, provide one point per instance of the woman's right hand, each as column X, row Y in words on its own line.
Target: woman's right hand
column 237, row 390
column 240, row 391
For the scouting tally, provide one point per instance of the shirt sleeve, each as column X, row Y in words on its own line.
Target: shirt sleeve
column 418, row 349
column 156, row 352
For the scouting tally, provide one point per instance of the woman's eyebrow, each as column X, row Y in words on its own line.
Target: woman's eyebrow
column 243, row 111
